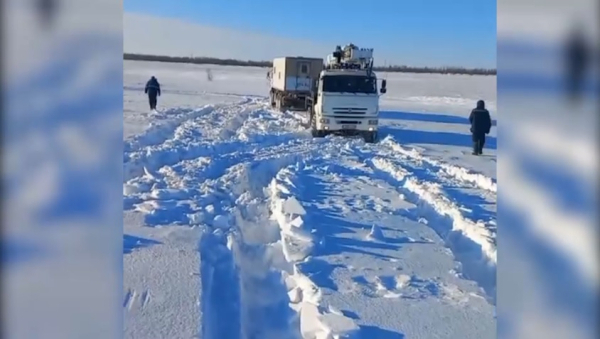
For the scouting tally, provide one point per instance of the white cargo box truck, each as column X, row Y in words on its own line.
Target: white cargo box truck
column 292, row 80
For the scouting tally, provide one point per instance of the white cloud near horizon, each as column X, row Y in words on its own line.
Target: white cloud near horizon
column 146, row 34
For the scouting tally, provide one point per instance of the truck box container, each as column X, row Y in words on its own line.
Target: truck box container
column 295, row 74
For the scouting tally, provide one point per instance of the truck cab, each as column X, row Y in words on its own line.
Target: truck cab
column 345, row 97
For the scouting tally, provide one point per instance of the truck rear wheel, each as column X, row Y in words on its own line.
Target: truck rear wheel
column 279, row 101
column 272, row 99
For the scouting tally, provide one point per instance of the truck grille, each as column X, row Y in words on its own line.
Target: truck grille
column 349, row 111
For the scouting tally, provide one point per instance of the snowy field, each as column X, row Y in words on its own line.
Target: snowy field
column 238, row 224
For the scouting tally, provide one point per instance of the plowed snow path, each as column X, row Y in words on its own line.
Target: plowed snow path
column 282, row 222
column 376, row 261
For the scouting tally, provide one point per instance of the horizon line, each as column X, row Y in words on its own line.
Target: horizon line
column 201, row 60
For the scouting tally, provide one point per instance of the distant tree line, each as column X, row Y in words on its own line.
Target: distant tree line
column 197, row 60
column 437, row 70
column 235, row 62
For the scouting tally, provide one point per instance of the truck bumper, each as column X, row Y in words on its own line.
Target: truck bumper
column 348, row 132
column 331, row 127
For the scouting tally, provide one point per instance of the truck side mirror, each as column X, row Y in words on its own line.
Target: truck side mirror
column 383, row 89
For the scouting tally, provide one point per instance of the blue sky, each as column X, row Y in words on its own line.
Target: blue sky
column 442, row 32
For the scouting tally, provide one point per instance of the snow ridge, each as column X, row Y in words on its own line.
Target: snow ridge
column 253, row 256
column 214, row 130
column 234, row 173
column 174, row 181
column 159, row 131
column 459, row 173
column 316, row 320
column 249, row 258
column 473, row 243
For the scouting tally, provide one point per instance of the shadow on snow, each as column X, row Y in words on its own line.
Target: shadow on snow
column 131, row 242
column 411, row 136
column 337, row 236
column 374, row 332
column 428, row 117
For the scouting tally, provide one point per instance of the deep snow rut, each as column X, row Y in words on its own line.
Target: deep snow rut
column 211, row 172
column 223, row 170
column 443, row 170
column 357, row 245
column 468, row 230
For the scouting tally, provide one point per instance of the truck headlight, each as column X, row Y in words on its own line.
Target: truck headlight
column 373, row 122
column 324, row 120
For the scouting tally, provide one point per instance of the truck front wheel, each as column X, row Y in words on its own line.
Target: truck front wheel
column 371, row 137
column 318, row 134
column 313, row 127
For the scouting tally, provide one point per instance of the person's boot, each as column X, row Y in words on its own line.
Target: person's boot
column 475, row 148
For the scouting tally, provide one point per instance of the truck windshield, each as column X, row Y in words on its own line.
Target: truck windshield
column 349, row 84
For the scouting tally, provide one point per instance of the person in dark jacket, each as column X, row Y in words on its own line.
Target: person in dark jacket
column 481, row 124
column 577, row 62
column 153, row 90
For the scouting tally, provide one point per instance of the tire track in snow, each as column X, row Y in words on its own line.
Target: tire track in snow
column 313, row 251
column 297, row 241
column 184, row 139
column 469, row 191
column 245, row 273
column 458, row 173
column 199, row 93
column 192, row 192
column 216, row 132
column 159, row 132
column 473, row 244
column 255, row 252
column 221, row 178
column 238, row 257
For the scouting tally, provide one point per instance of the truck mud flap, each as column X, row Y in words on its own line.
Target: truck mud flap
column 295, row 105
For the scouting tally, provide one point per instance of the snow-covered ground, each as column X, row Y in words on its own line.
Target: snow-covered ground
column 238, row 224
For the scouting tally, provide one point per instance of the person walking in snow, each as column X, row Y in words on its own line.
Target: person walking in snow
column 153, row 90
column 481, row 124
